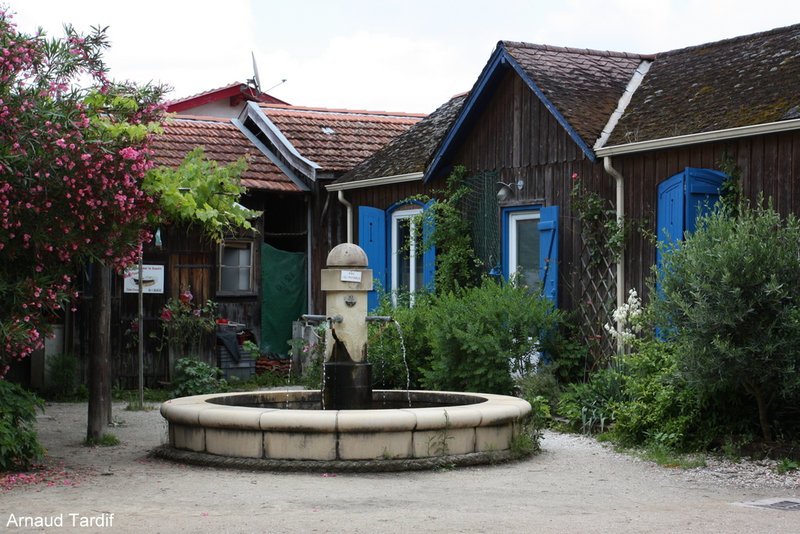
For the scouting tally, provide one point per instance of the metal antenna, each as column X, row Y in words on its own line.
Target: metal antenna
column 256, row 80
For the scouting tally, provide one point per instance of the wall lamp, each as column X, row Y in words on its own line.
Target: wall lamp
column 507, row 190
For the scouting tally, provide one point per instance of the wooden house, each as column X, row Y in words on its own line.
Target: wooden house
column 263, row 280
column 228, row 273
column 649, row 134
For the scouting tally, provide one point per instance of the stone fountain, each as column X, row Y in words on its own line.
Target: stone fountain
column 346, row 425
column 347, row 381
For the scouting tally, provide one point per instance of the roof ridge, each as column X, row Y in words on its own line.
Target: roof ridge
column 207, row 92
column 199, row 118
column 572, row 50
column 731, row 40
column 341, row 111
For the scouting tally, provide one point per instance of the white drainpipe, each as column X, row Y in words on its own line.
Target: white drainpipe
column 349, row 215
column 620, row 220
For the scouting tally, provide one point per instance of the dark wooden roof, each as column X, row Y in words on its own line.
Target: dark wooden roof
column 337, row 140
column 224, row 143
column 749, row 80
column 412, row 150
column 584, row 85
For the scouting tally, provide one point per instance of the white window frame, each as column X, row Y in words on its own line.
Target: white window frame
column 513, row 218
column 236, row 243
column 398, row 216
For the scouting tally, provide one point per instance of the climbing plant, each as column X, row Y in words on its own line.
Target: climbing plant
column 602, row 233
column 202, row 192
column 449, row 231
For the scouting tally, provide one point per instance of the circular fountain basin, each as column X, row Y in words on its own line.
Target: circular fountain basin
column 286, row 430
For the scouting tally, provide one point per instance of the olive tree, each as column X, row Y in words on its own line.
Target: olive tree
column 729, row 298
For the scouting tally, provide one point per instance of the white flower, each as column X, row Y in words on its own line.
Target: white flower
column 625, row 318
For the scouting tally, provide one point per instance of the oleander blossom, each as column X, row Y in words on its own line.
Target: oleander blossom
column 72, row 164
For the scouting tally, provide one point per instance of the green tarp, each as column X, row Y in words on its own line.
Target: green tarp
column 283, row 296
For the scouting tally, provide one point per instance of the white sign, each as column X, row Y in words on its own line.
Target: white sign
column 351, row 276
column 152, row 279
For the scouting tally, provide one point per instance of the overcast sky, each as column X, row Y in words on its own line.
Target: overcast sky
column 409, row 55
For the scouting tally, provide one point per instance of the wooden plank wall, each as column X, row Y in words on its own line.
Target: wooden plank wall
column 769, row 164
column 518, row 137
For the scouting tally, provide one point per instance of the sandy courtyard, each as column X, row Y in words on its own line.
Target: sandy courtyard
column 574, row 485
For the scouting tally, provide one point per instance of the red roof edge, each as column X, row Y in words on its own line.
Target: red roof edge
column 235, row 92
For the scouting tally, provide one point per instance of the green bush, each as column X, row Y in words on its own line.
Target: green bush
column 543, row 383
column 730, row 302
column 659, row 409
column 570, row 358
column 466, row 340
column 19, row 445
column 479, row 335
column 588, row 406
column 193, row 377
column 63, row 371
column 528, row 439
column 385, row 350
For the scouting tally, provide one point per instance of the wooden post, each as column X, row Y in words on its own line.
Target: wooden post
column 141, row 333
column 99, row 372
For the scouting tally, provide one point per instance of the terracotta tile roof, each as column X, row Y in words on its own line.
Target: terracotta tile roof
column 337, row 140
column 584, row 85
column 224, row 143
column 412, row 150
column 747, row 80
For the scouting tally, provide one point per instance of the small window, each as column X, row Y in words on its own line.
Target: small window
column 530, row 247
column 407, row 262
column 236, row 267
column 523, row 253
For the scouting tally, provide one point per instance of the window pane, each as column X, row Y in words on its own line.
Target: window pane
column 406, row 266
column 418, row 283
column 235, row 267
column 403, row 256
column 527, row 244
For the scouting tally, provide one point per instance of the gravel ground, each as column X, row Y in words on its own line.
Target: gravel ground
column 574, row 485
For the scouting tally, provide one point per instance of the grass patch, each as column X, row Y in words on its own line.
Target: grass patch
column 131, row 396
column 669, row 458
column 134, row 407
column 785, row 465
column 108, row 440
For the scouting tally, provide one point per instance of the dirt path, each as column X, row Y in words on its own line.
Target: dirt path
column 575, row 485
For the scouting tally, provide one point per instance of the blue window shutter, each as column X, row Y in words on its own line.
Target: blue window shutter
column 372, row 238
column 682, row 198
column 548, row 252
column 702, row 192
column 429, row 256
column 671, row 208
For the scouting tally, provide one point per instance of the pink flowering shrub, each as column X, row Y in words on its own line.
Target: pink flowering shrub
column 71, row 164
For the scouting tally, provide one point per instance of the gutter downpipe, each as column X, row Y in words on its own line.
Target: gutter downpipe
column 349, row 207
column 620, row 220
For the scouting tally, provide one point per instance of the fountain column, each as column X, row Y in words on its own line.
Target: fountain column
column 347, row 383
